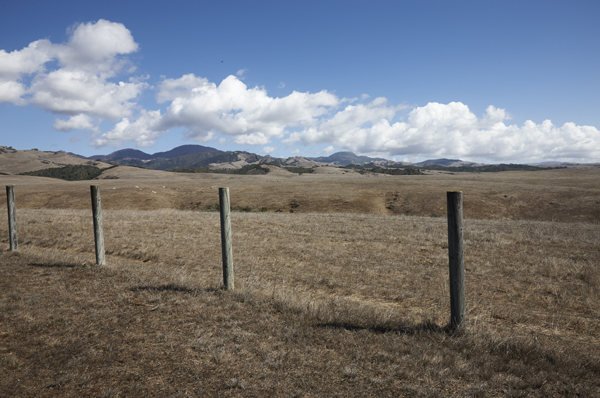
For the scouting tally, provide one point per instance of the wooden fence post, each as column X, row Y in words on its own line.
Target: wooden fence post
column 12, row 217
column 226, row 238
column 456, row 260
column 98, row 233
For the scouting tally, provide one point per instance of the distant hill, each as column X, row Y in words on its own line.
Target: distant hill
column 13, row 161
column 199, row 156
column 346, row 158
column 123, row 154
column 554, row 164
column 194, row 156
column 446, row 163
column 213, row 159
column 183, row 150
column 296, row 161
column 140, row 155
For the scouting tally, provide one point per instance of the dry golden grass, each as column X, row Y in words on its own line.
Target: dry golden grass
column 18, row 161
column 563, row 195
column 326, row 304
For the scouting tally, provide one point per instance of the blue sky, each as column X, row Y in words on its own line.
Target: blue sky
column 510, row 81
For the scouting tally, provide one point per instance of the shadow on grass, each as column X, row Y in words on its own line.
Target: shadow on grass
column 40, row 265
column 425, row 327
column 171, row 288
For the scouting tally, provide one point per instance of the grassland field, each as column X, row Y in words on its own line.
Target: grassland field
column 341, row 287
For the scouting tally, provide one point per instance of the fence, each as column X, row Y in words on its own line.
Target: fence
column 455, row 244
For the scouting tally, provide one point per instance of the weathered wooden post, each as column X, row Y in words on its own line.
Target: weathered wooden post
column 226, row 238
column 98, row 233
column 456, row 260
column 12, row 217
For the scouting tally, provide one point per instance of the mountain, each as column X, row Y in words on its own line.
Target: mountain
column 123, row 154
column 140, row 155
column 346, row 158
column 553, row 164
column 183, row 150
column 296, row 161
column 447, row 163
column 195, row 156
column 14, row 161
column 212, row 159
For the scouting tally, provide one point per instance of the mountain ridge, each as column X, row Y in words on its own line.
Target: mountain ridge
column 130, row 153
column 198, row 156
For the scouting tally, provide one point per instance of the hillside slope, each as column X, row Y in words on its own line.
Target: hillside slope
column 13, row 161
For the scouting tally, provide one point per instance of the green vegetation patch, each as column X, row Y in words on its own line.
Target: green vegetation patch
column 370, row 168
column 250, row 169
column 7, row 149
column 412, row 170
column 69, row 173
column 490, row 168
column 299, row 170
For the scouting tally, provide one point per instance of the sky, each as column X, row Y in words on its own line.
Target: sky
column 490, row 82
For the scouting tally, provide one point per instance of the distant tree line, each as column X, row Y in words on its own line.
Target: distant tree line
column 7, row 149
column 69, row 172
column 490, row 168
column 396, row 171
column 299, row 170
column 257, row 168
column 412, row 170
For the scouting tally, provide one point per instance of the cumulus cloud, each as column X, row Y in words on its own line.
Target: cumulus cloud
column 452, row 130
column 72, row 92
column 96, row 45
column 29, row 60
column 144, row 131
column 327, row 151
column 80, row 84
column 12, row 91
column 269, row 149
column 231, row 108
column 77, row 122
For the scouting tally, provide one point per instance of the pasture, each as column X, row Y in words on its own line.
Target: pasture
column 341, row 287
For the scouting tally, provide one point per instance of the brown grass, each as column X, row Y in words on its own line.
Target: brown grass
column 18, row 161
column 325, row 305
column 563, row 195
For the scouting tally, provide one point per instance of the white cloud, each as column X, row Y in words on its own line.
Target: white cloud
column 16, row 64
column 364, row 96
column 79, row 85
column 29, row 60
column 348, row 126
column 452, row 130
column 77, row 122
column 330, row 149
column 269, row 149
column 233, row 109
column 143, row 131
column 281, row 85
column 72, row 92
column 95, row 47
column 12, row 91
column 240, row 73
